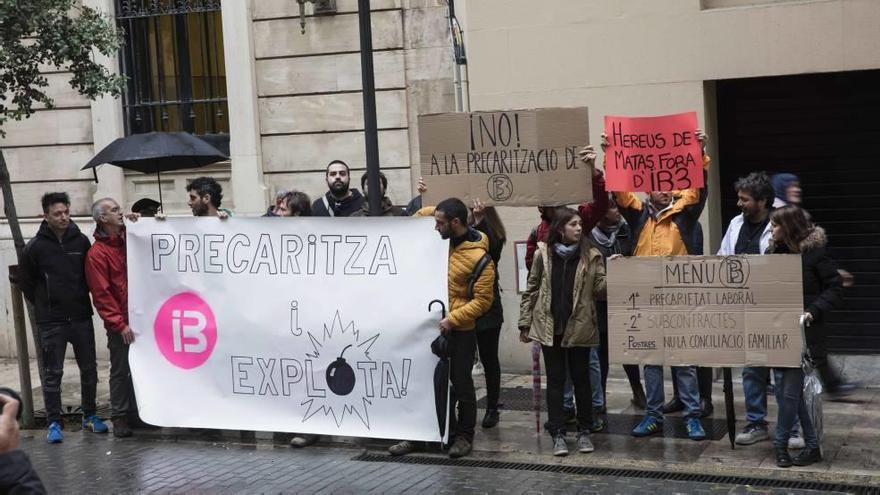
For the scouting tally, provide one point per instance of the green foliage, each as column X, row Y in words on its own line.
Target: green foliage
column 60, row 33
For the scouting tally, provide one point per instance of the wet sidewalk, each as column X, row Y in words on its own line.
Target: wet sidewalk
column 850, row 446
column 851, row 442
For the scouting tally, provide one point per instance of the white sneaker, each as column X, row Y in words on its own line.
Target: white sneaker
column 559, row 446
column 796, row 442
column 303, row 440
column 752, row 433
column 585, row 446
column 478, row 369
column 402, row 448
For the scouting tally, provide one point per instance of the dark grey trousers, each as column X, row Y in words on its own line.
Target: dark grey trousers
column 80, row 334
column 122, row 401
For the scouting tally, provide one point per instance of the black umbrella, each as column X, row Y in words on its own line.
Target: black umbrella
column 728, row 404
column 440, row 348
column 157, row 152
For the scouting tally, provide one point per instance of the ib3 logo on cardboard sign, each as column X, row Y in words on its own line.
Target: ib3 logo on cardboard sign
column 185, row 330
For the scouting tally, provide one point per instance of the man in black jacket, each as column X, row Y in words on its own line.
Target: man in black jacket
column 388, row 208
column 340, row 200
column 16, row 473
column 53, row 280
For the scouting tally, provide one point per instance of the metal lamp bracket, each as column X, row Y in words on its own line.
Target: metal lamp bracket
column 321, row 7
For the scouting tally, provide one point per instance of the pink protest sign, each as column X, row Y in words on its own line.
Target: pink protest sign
column 653, row 153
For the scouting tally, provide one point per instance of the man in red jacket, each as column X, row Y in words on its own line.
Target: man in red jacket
column 107, row 278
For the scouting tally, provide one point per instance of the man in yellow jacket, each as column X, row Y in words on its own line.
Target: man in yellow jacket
column 470, row 296
column 664, row 225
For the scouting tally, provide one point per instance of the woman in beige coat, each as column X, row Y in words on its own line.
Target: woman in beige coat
column 558, row 310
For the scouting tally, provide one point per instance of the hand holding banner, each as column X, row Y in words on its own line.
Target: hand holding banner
column 506, row 158
column 653, row 153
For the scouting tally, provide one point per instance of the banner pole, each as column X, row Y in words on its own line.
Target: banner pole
column 371, row 133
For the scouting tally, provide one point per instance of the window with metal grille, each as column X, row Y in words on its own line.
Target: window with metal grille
column 173, row 58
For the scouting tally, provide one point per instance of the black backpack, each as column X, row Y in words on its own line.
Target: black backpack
column 475, row 275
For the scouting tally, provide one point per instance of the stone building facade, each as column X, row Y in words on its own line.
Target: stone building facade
column 294, row 102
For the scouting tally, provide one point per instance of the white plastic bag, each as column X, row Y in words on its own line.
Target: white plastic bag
column 813, row 398
column 812, row 386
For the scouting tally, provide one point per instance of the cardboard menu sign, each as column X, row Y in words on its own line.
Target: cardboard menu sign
column 506, row 158
column 705, row 310
column 653, row 153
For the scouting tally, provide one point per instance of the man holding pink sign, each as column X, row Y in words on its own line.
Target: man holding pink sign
column 662, row 156
column 653, row 153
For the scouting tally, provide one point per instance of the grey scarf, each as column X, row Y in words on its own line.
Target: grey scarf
column 566, row 252
column 603, row 238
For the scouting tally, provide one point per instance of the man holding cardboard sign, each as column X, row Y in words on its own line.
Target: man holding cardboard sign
column 506, row 158
column 663, row 226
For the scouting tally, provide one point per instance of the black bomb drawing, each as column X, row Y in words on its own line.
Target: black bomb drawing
column 340, row 375
column 346, row 387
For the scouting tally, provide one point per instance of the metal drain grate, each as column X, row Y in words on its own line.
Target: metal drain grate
column 516, row 399
column 622, row 473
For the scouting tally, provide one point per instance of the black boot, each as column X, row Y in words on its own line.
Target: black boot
column 491, row 418
column 673, row 406
column 783, row 458
column 121, row 428
column 706, row 408
column 639, row 400
column 807, row 456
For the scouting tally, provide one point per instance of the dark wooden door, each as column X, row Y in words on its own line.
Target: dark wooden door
column 825, row 128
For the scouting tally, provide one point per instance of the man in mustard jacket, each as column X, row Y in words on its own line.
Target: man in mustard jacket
column 470, row 296
column 664, row 225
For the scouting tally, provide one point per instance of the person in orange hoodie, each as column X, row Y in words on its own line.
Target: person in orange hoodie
column 664, row 225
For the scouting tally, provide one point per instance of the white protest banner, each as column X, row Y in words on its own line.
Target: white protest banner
column 287, row 324
column 705, row 310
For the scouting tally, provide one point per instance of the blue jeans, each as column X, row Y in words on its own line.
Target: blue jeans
column 596, row 378
column 792, row 408
column 688, row 390
column 755, row 391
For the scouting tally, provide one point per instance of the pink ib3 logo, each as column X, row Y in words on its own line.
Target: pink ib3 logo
column 186, row 331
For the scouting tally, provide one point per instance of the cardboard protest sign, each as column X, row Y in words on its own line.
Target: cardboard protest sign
column 508, row 158
column 285, row 324
column 653, row 153
column 705, row 310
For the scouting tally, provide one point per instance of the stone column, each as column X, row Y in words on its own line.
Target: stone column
column 249, row 191
column 107, row 120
